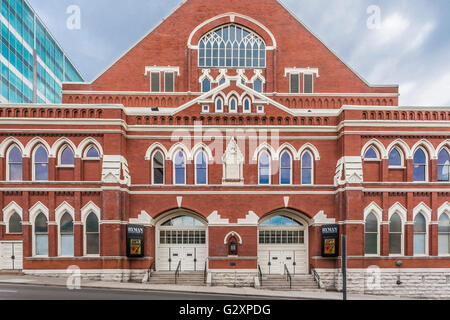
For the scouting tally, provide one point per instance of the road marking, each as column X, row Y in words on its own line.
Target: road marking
column 16, row 281
column 8, row 291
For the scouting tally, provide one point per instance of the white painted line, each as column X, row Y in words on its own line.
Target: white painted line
column 16, row 281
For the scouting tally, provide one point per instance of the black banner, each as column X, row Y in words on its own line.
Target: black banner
column 330, row 241
column 135, row 241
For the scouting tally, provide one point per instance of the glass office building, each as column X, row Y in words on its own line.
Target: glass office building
column 33, row 65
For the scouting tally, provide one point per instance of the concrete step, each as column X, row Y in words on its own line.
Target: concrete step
column 184, row 279
column 12, row 272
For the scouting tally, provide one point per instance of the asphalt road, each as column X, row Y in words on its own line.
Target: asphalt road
column 36, row 292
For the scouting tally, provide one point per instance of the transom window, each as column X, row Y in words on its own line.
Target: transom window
column 182, row 237
column 280, row 221
column 92, row 153
column 183, row 221
column 232, row 46
column 281, row 237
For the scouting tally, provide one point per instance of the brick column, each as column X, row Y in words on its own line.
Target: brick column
column 78, row 227
column 3, row 168
column 78, row 171
column 168, row 172
column 26, row 169
column 52, row 169
column 296, row 172
column 409, row 170
column 384, row 169
column 433, row 171
column 52, row 227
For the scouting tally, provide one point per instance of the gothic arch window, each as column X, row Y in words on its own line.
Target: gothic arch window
column 286, row 168
column 247, row 105
column 15, row 224
column 420, row 166
column 233, row 46
column 14, row 170
column 444, row 166
column 395, row 158
column 41, row 235
column 66, row 235
column 92, row 153
column 371, row 154
column 180, row 168
column 92, row 235
column 158, row 168
column 66, row 157
column 233, row 105
column 201, row 168
column 40, row 162
column 206, row 85
column 307, row 168
column 219, row 105
column 395, row 235
column 444, row 234
column 264, row 173
column 258, row 85
column 371, row 235
column 420, row 235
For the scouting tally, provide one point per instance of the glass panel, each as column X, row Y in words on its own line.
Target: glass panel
column 308, row 86
column 419, row 157
column 41, row 224
column 41, row 172
column 67, row 157
column 371, row 223
column 395, row 243
column 41, row 245
column 419, row 223
column 371, row 246
column 15, row 155
column 92, row 223
column 92, row 153
column 233, row 105
column 183, row 221
column 295, row 83
column 285, row 175
column 155, row 82
column 206, row 85
column 307, row 160
column 67, row 245
column 93, row 243
column 280, row 221
column 395, row 158
column 419, row 244
column 158, row 168
column 371, row 154
column 395, row 223
column 444, row 244
column 41, row 155
column 306, row 176
column 15, row 224
column 444, row 223
column 15, row 172
column 169, row 81
column 66, row 224
column 257, row 85
column 419, row 173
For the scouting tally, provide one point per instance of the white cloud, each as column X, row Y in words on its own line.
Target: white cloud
column 391, row 28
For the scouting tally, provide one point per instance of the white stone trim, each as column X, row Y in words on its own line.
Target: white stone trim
column 155, row 146
column 378, row 146
column 143, row 219
column 265, row 147
column 232, row 234
column 375, row 209
column 406, row 154
column 6, row 144
column 312, row 149
column 33, row 143
column 62, row 209
column 214, row 219
column 444, row 209
column 430, row 151
column 36, row 209
column 298, row 71
column 87, row 209
column 425, row 210
column 150, row 69
column 82, row 147
column 251, row 219
column 400, row 210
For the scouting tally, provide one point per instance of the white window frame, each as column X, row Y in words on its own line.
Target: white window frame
column 249, row 103
column 59, row 234
column 85, row 212
column 173, row 81
column 223, row 105
column 153, row 169
column 427, row 233
column 205, row 108
column 34, row 163
column 378, row 234
column 88, row 149
column 60, row 152
column 437, row 173
column 402, row 157
column 195, row 168
column 304, row 82
column 290, row 169
column 376, row 152
column 442, row 213
column 159, row 84
column 259, row 167
column 260, row 109
column 175, row 168
column 312, row 168
column 290, row 83
column 33, row 224
column 427, row 165
column 8, row 178
column 236, row 105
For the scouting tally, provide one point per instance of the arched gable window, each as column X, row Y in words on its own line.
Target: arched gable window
column 14, row 164
column 219, row 105
column 180, row 168
column 286, row 168
column 41, row 235
column 92, row 153
column 444, row 166
column 420, row 166
column 67, row 157
column 41, row 164
column 15, row 223
column 206, row 85
column 420, row 235
column 232, row 46
column 307, row 168
column 371, row 154
column 264, row 168
column 395, row 158
column 158, row 168
column 395, row 235
column 66, row 235
column 201, row 168
column 444, row 234
column 371, row 235
column 233, row 105
column 92, row 231
column 258, row 85
column 247, row 105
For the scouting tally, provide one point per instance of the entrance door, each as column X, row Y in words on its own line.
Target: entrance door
column 11, row 256
column 189, row 259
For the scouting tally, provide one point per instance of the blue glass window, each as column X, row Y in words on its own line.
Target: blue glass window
column 222, row 81
column 247, row 105
column 67, row 158
column 180, row 168
column 41, row 164
column 258, row 85
column 201, row 168
column 444, row 166
column 280, row 221
column 219, row 105
column 92, row 153
column 395, row 158
column 285, row 170
column 264, row 168
column 15, row 164
column 233, row 105
column 307, row 168
column 206, row 85
column 371, row 154
column 420, row 165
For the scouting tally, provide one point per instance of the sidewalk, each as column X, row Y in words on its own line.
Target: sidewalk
column 128, row 286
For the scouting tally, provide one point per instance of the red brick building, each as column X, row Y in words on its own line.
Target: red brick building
column 229, row 125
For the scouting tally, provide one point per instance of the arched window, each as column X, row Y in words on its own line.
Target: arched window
column 180, row 168
column 66, row 235
column 258, row 85
column 206, row 85
column 15, row 164
column 233, row 105
column 307, row 168
column 183, row 221
column 41, row 164
column 92, row 235
column 281, row 230
column 41, row 235
column 444, row 166
column 92, row 153
column 395, row 235
column 420, row 235
column 247, row 105
column 15, row 224
column 371, row 234
column 264, row 168
column 201, row 169
column 280, row 221
column 371, row 154
column 219, row 105
column 420, row 166
column 158, row 168
column 232, row 46
column 286, row 168
column 67, row 158
column 395, row 158
column 444, row 234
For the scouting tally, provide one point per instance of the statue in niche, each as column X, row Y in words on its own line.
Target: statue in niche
column 233, row 162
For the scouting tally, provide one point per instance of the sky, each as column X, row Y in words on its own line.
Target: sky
column 404, row 42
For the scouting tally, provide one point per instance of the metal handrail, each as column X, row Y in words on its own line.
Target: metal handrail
column 149, row 272
column 316, row 277
column 205, row 273
column 288, row 276
column 177, row 273
column 260, row 275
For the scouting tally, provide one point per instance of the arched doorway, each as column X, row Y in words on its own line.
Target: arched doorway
column 181, row 236
column 283, row 241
